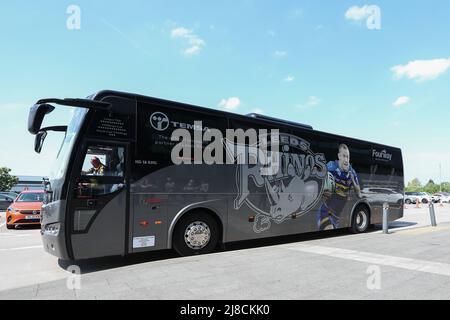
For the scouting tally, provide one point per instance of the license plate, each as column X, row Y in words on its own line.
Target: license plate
column 33, row 217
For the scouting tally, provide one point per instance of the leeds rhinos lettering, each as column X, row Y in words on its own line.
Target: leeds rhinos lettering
column 293, row 191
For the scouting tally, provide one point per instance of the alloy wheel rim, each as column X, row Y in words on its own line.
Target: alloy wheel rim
column 361, row 220
column 197, row 235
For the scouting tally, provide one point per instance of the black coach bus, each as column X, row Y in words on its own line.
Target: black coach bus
column 115, row 190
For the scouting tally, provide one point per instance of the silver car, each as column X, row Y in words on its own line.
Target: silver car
column 6, row 200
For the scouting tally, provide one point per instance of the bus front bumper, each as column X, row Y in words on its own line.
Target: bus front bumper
column 53, row 229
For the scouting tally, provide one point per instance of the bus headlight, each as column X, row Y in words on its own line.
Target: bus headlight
column 52, row 229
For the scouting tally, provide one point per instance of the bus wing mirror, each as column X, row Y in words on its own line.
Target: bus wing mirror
column 36, row 116
column 39, row 141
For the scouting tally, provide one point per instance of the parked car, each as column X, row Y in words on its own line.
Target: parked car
column 26, row 209
column 9, row 193
column 411, row 197
column 5, row 201
column 435, row 197
column 381, row 195
column 444, row 197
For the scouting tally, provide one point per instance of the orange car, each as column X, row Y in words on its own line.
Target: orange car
column 26, row 209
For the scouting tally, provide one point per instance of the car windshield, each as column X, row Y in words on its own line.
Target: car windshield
column 31, row 197
column 60, row 165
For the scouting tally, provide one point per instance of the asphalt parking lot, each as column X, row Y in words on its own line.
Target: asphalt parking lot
column 412, row 262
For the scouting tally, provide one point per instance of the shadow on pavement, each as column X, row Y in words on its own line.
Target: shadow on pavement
column 100, row 264
column 28, row 227
column 400, row 224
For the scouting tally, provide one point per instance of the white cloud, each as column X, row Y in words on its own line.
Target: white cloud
column 230, row 104
column 401, row 101
column 280, row 54
column 289, row 79
column 356, row 13
column 296, row 13
column 422, row 70
column 180, row 32
column 194, row 42
column 311, row 102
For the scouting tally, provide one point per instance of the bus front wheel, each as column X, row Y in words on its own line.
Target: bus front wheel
column 196, row 233
column 360, row 220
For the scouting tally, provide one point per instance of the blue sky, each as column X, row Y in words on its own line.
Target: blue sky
column 314, row 62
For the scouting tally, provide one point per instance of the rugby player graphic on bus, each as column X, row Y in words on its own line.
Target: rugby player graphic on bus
column 340, row 181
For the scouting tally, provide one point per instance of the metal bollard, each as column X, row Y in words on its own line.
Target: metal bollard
column 432, row 214
column 386, row 218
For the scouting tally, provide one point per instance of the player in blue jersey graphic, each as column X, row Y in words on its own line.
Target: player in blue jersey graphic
column 341, row 179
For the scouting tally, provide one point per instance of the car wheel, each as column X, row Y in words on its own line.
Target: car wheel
column 425, row 201
column 360, row 220
column 196, row 233
column 407, row 201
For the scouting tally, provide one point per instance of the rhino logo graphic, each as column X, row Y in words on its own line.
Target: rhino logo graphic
column 292, row 192
column 286, row 200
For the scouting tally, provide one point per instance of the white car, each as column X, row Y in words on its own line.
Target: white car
column 444, row 197
column 382, row 195
column 411, row 197
column 436, row 198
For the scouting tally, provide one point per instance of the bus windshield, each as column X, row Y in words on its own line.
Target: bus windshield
column 60, row 165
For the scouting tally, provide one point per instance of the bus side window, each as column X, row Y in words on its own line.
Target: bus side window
column 104, row 161
column 102, row 171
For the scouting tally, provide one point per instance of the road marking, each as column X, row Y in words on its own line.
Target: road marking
column 21, row 248
column 379, row 259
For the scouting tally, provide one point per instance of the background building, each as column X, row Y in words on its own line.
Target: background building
column 30, row 182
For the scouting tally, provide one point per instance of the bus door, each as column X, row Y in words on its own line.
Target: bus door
column 98, row 201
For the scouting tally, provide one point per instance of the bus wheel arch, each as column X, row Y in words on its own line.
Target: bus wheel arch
column 204, row 225
column 360, row 218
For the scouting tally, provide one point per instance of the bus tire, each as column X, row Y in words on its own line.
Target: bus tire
column 360, row 220
column 196, row 233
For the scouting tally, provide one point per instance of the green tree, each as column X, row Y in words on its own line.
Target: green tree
column 446, row 186
column 7, row 181
column 431, row 187
column 414, row 186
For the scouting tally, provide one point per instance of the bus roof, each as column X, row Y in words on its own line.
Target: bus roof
column 269, row 120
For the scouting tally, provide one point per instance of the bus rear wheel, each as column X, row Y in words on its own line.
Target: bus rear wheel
column 360, row 220
column 196, row 233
